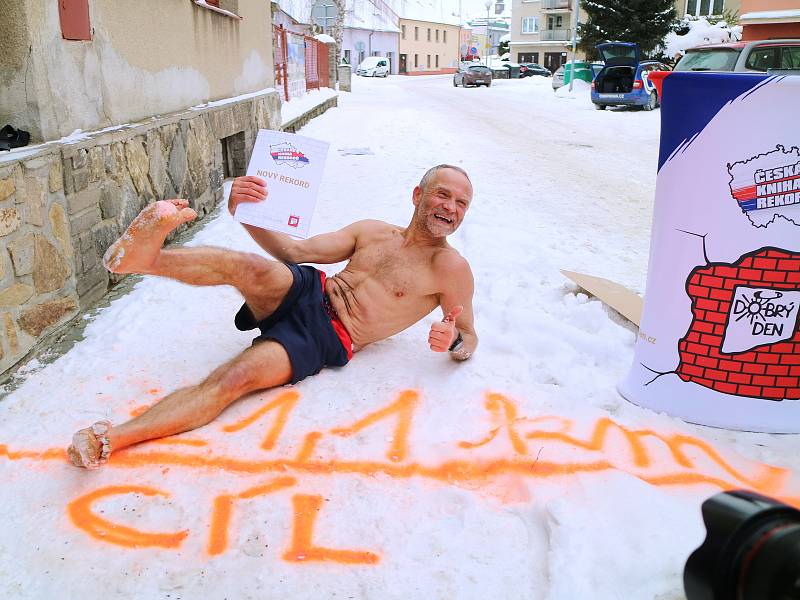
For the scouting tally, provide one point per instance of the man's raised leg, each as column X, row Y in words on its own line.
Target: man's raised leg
column 263, row 366
column 263, row 283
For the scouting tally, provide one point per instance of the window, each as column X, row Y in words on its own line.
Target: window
column 761, row 59
column 530, row 25
column 702, row 8
column 360, row 57
column 444, row 35
column 437, row 61
column 429, row 34
column 347, row 56
column 790, row 57
column 74, row 17
column 554, row 22
column 416, row 33
column 416, row 60
column 437, row 35
column 429, row 61
column 403, row 27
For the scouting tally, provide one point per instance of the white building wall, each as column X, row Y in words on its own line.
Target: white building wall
column 380, row 43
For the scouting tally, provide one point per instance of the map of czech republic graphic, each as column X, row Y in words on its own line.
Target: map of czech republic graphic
column 767, row 186
column 287, row 154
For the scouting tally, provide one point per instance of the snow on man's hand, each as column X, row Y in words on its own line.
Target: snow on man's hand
column 442, row 334
column 246, row 189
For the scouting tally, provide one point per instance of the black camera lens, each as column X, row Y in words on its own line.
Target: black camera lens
column 751, row 550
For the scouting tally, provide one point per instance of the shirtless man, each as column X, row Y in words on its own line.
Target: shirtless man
column 395, row 276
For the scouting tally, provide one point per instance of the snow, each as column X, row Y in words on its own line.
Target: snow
column 205, row 4
column 324, row 38
column 517, row 477
column 761, row 15
column 232, row 99
column 302, row 104
column 701, row 32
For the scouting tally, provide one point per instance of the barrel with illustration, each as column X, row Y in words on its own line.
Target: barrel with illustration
column 719, row 341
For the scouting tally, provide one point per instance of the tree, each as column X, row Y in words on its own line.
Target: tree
column 504, row 47
column 645, row 22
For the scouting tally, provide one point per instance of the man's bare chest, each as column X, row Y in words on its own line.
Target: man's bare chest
column 400, row 272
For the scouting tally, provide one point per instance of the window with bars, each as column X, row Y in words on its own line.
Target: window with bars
column 437, row 61
column 429, row 61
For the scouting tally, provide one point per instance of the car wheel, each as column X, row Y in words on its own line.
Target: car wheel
column 652, row 101
column 488, row 84
column 600, row 106
column 454, row 82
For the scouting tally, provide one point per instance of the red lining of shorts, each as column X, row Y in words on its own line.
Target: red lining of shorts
column 338, row 326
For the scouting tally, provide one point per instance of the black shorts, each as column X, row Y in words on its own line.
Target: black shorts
column 301, row 324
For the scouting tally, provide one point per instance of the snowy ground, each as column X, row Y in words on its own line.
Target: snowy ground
column 519, row 474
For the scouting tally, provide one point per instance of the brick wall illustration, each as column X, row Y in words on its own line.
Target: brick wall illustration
column 770, row 371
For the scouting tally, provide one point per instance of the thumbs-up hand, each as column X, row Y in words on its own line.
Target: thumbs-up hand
column 442, row 334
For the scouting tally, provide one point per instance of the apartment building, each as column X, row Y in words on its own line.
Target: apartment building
column 541, row 31
column 708, row 8
column 428, row 47
column 764, row 19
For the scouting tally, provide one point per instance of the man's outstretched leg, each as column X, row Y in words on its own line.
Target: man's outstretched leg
column 260, row 367
column 262, row 282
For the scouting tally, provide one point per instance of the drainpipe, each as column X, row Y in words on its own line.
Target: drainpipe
column 370, row 42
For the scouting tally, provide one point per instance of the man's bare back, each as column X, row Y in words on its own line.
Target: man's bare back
column 394, row 277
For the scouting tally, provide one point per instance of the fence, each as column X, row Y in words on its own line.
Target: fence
column 293, row 57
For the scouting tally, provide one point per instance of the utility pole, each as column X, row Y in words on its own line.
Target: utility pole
column 574, row 43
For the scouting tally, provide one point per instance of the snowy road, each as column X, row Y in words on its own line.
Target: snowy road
column 521, row 474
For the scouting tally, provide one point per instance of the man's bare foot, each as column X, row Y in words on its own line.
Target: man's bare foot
column 90, row 447
column 137, row 249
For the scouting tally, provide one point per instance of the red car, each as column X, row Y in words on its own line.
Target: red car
column 759, row 56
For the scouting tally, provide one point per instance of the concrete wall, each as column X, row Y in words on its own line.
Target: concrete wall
column 145, row 58
column 62, row 205
column 447, row 48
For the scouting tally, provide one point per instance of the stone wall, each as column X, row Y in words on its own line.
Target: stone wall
column 62, row 205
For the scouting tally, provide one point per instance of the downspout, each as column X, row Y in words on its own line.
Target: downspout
column 370, row 42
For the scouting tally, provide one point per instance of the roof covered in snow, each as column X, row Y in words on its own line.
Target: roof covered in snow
column 429, row 10
column 374, row 15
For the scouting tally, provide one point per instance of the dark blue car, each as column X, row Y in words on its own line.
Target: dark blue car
column 624, row 81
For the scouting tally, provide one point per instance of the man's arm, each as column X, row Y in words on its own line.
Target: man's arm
column 456, row 303
column 324, row 249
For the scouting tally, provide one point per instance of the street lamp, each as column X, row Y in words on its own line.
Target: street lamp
column 488, row 45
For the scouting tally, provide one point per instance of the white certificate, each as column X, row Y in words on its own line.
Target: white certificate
column 291, row 165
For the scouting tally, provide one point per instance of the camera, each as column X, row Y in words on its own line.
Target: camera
column 751, row 550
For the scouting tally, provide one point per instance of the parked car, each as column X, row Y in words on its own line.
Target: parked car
column 373, row 66
column 584, row 71
column 624, row 80
column 531, row 69
column 473, row 75
column 758, row 56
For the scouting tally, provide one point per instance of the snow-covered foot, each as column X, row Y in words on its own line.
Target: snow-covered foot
column 90, row 447
column 138, row 248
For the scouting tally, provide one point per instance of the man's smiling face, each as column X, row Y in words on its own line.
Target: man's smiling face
column 441, row 206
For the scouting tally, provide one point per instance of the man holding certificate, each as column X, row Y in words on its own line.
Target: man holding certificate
column 306, row 321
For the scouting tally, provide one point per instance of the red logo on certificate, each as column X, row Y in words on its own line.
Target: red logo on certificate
column 294, row 221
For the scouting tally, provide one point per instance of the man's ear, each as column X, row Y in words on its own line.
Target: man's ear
column 416, row 195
